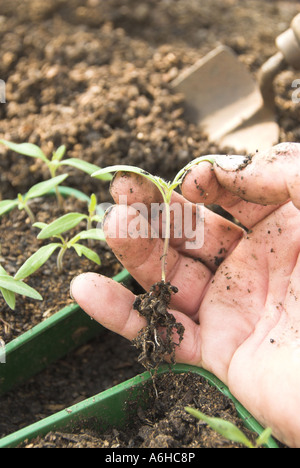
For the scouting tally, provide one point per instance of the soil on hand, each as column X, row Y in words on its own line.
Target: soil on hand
column 156, row 340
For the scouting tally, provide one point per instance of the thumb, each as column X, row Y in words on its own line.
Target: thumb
column 268, row 178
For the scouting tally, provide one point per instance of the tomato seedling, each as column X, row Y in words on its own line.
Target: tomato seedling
column 53, row 163
column 165, row 188
column 56, row 229
column 36, row 191
column 230, row 431
column 10, row 286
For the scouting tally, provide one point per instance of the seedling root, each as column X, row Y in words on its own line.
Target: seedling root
column 156, row 339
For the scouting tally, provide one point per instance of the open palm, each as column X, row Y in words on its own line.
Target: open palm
column 239, row 294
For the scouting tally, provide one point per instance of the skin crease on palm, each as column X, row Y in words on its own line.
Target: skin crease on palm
column 241, row 316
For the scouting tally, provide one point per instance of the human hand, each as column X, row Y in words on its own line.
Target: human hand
column 239, row 294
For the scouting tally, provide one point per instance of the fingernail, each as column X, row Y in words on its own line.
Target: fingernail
column 232, row 162
column 71, row 286
column 183, row 178
column 106, row 214
column 112, row 181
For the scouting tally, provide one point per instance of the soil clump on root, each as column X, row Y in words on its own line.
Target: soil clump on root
column 156, row 339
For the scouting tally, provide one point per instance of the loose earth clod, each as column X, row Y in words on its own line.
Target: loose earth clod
column 156, row 339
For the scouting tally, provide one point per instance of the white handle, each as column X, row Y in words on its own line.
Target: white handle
column 289, row 43
column 295, row 25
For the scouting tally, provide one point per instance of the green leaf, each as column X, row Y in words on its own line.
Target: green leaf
column 97, row 218
column 93, row 204
column 9, row 297
column 59, row 153
column 179, row 176
column 7, row 205
column 224, row 428
column 2, row 271
column 40, row 225
column 121, row 168
column 40, row 189
column 27, row 149
column 96, row 234
column 264, row 437
column 84, row 166
column 71, row 192
column 159, row 183
column 18, row 287
column 34, row 262
column 88, row 253
column 62, row 224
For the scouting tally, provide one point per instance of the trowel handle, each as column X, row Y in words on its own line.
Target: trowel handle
column 288, row 43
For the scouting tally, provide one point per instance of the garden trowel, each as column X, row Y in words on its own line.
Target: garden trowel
column 231, row 108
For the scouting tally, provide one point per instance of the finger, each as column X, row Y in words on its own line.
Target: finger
column 272, row 177
column 141, row 255
column 129, row 188
column 195, row 230
column 110, row 304
column 107, row 302
column 204, row 184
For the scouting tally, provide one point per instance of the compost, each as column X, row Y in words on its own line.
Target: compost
column 95, row 75
column 164, row 424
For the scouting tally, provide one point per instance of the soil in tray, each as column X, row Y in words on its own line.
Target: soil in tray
column 103, row 362
column 164, row 424
column 18, row 241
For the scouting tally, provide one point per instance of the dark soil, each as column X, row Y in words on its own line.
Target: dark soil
column 18, row 240
column 95, row 75
column 100, row 364
column 165, row 424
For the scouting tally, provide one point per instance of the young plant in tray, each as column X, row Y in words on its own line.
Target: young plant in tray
column 231, row 432
column 93, row 216
column 53, row 163
column 36, row 191
column 153, row 305
column 55, row 230
column 10, row 287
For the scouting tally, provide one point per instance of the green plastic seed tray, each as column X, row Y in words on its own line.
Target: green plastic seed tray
column 116, row 407
column 47, row 342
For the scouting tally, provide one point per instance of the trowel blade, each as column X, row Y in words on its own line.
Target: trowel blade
column 259, row 133
column 220, row 95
